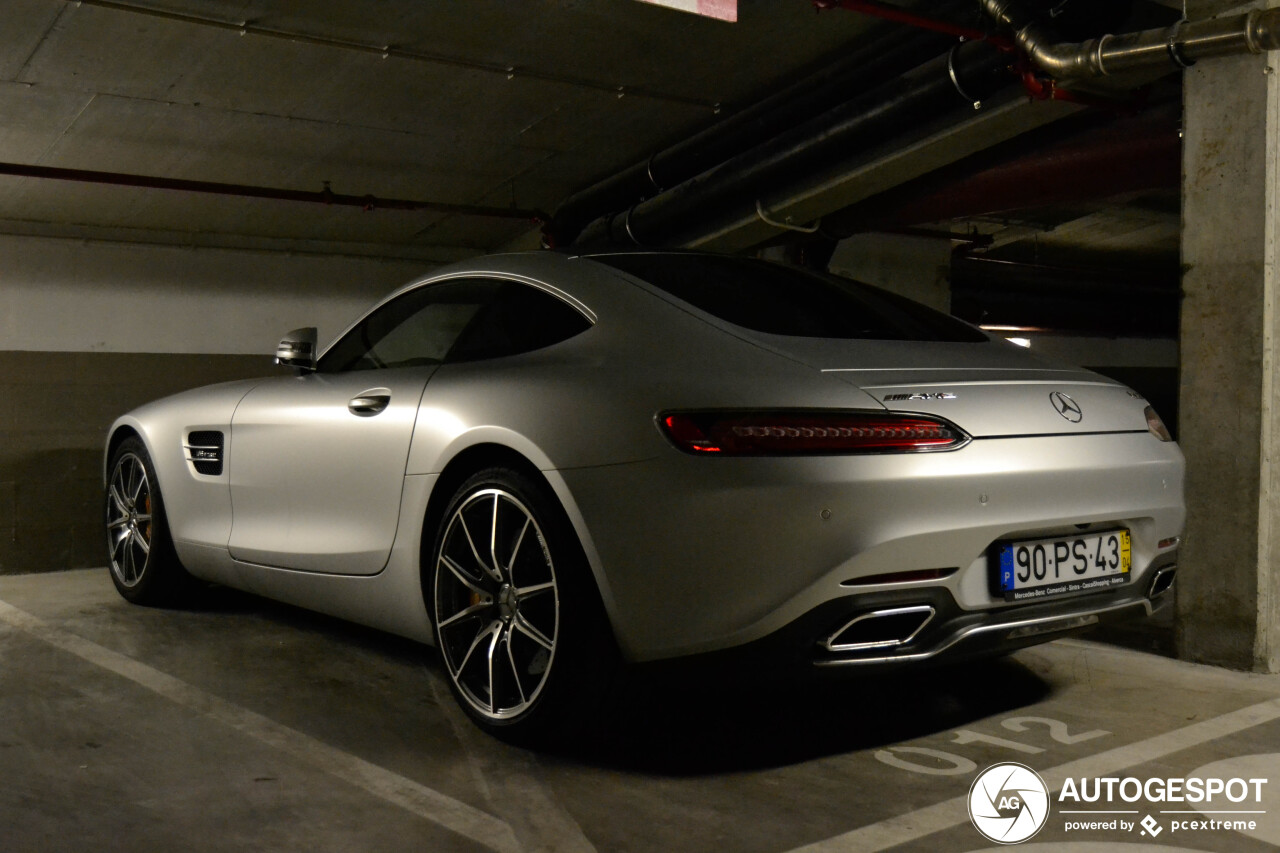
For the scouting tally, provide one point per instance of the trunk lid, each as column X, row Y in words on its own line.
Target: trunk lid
column 989, row 390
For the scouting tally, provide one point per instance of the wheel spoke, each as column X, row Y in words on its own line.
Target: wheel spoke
column 138, row 477
column 526, row 627
column 511, row 563
column 493, row 540
column 462, row 522
column 529, row 591
column 126, row 479
column 465, row 613
column 458, row 573
column 120, row 540
column 493, row 685
column 475, row 644
column 128, row 570
column 515, row 670
column 141, row 542
column 116, row 498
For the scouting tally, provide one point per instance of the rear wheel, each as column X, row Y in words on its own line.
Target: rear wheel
column 517, row 618
column 144, row 565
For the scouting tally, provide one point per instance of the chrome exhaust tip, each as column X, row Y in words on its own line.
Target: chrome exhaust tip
column 895, row 626
column 1163, row 580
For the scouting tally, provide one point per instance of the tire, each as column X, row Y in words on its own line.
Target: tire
column 517, row 617
column 140, row 555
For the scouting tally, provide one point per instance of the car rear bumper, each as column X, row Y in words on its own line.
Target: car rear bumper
column 698, row 554
column 802, row 648
column 955, row 633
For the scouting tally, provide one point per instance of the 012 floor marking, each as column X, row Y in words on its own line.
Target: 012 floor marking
column 917, row 824
column 952, row 764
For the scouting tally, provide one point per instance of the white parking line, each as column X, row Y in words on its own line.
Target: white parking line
column 509, row 778
column 921, row 822
column 418, row 799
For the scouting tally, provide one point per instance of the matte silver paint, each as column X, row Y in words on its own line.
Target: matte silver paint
column 323, row 506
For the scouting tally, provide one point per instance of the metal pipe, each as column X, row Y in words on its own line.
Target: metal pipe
column 1048, row 168
column 246, row 191
column 1179, row 45
column 728, row 190
column 882, row 60
column 325, row 196
column 951, row 82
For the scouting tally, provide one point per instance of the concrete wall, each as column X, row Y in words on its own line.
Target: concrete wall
column 916, row 267
column 920, row 268
column 89, row 330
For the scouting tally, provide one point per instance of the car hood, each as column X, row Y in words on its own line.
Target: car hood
column 988, row 389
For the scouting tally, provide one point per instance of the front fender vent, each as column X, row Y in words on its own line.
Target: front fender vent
column 204, row 451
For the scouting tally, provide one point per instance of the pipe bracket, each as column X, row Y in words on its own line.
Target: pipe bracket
column 785, row 226
column 955, row 79
column 648, row 170
column 626, row 224
column 1175, row 48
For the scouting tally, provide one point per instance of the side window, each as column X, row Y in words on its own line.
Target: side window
column 417, row 328
column 519, row 319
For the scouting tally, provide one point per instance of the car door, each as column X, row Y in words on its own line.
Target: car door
column 317, row 461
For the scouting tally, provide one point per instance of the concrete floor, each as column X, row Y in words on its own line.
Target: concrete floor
column 247, row 725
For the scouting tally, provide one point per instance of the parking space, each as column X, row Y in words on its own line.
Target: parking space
column 246, row 725
column 627, row 290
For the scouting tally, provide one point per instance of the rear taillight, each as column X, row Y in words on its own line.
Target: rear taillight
column 781, row 433
column 1156, row 426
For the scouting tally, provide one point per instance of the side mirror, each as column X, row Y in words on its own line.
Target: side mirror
column 298, row 349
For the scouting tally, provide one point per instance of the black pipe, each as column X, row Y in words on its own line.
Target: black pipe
column 948, row 84
column 889, row 55
column 1089, row 156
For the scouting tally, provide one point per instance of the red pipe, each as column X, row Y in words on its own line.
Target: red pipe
column 325, row 196
column 902, row 16
column 1041, row 88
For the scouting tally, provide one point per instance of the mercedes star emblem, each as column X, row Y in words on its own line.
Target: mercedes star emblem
column 1066, row 407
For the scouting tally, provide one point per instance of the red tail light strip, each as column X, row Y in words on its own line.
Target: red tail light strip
column 782, row 433
column 902, row 577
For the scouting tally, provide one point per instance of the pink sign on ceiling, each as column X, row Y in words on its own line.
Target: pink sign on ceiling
column 724, row 10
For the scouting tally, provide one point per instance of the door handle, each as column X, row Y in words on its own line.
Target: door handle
column 370, row 403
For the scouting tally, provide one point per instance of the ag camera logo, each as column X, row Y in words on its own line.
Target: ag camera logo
column 1008, row 803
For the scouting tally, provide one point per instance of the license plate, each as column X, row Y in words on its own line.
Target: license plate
column 1063, row 565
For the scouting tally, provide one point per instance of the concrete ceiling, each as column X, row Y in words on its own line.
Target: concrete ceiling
column 482, row 102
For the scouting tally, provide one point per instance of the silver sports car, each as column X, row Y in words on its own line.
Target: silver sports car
column 548, row 465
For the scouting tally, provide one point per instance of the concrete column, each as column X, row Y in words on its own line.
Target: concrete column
column 1229, row 582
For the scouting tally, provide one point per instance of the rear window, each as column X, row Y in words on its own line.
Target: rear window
column 780, row 300
column 519, row 319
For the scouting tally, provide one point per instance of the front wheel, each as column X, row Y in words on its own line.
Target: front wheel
column 517, row 618
column 144, row 564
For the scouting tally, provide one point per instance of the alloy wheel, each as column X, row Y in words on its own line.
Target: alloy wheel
column 129, row 522
column 497, row 606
